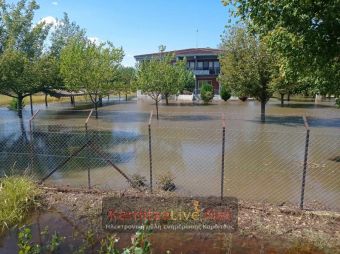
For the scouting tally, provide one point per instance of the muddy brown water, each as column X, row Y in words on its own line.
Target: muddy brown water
column 175, row 242
column 263, row 162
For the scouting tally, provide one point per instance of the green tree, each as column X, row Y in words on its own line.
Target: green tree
column 247, row 66
column 64, row 31
column 91, row 67
column 127, row 80
column 207, row 93
column 305, row 33
column 21, row 46
column 150, row 78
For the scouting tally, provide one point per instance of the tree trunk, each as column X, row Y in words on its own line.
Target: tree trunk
column 157, row 108
column 100, row 101
column 31, row 104
column 20, row 98
column 167, row 99
column 96, row 109
column 108, row 98
column 288, row 96
column 119, row 97
column 263, row 111
column 282, row 99
column 46, row 105
column 126, row 97
column 74, row 101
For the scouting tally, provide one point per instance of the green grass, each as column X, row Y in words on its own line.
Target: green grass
column 18, row 196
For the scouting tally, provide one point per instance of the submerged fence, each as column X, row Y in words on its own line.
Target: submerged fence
column 288, row 159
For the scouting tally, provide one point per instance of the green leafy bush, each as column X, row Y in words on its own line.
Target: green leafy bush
column 13, row 105
column 337, row 102
column 207, row 93
column 225, row 93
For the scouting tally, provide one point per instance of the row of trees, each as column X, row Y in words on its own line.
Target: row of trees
column 282, row 47
column 71, row 61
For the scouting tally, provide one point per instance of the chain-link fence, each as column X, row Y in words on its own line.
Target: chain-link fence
column 288, row 159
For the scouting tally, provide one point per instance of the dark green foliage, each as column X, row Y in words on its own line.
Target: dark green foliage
column 225, row 93
column 207, row 93
column 14, row 104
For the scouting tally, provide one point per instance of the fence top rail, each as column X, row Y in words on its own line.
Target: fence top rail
column 150, row 119
column 305, row 122
column 223, row 120
column 88, row 118
column 34, row 115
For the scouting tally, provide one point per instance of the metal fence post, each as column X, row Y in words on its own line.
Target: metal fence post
column 31, row 138
column 150, row 149
column 87, row 139
column 305, row 163
column 223, row 151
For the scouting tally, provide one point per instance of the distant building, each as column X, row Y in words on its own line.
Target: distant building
column 203, row 62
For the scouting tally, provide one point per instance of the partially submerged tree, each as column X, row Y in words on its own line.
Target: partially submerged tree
column 90, row 67
column 247, row 66
column 127, row 80
column 21, row 46
column 150, row 79
column 176, row 76
column 163, row 76
column 305, row 33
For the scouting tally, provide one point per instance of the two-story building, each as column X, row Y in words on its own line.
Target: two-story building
column 203, row 62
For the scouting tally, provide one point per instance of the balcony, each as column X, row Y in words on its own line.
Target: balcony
column 206, row 72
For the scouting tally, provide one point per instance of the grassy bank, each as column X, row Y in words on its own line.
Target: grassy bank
column 18, row 195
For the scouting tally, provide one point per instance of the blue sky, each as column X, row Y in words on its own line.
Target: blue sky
column 140, row 26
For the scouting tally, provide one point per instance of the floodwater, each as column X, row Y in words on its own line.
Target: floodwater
column 263, row 162
column 76, row 233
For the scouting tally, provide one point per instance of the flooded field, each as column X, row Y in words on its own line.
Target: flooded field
column 263, row 162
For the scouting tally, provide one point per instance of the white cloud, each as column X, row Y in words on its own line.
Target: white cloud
column 49, row 20
column 55, row 3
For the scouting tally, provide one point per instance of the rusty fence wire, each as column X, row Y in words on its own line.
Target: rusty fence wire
column 288, row 159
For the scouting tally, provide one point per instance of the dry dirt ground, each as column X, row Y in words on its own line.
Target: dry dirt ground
column 255, row 220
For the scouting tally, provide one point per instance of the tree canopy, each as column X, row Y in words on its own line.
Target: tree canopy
column 163, row 76
column 92, row 67
column 21, row 46
column 305, row 34
column 247, row 66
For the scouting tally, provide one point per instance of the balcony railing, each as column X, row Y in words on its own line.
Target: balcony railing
column 210, row 71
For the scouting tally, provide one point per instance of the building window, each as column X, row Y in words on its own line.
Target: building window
column 205, row 65
column 192, row 65
column 211, row 65
column 217, row 64
column 199, row 65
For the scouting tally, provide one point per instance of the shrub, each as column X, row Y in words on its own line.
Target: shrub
column 138, row 181
column 225, row 93
column 207, row 93
column 166, row 182
column 243, row 98
column 337, row 102
column 13, row 105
